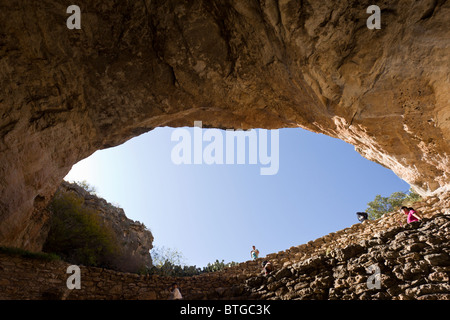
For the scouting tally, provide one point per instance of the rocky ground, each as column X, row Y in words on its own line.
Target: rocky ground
column 413, row 262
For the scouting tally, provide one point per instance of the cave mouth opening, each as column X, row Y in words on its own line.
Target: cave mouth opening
column 195, row 199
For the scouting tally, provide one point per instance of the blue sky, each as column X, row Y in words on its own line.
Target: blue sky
column 210, row 212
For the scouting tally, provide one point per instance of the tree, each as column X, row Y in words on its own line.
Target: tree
column 163, row 255
column 77, row 233
column 87, row 186
column 217, row 266
column 381, row 205
column 412, row 197
column 170, row 262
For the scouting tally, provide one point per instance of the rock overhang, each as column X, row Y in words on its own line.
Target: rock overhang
column 134, row 66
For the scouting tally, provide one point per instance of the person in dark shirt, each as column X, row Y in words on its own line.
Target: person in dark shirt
column 267, row 267
column 362, row 216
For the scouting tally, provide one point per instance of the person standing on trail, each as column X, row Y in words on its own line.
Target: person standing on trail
column 254, row 253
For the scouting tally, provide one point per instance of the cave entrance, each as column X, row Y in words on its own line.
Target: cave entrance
column 212, row 211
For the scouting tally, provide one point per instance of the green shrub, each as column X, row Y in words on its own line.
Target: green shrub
column 29, row 254
column 87, row 187
column 217, row 266
column 169, row 269
column 77, row 233
column 169, row 262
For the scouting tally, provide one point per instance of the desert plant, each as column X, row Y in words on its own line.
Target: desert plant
column 12, row 251
column 217, row 266
column 77, row 233
column 87, row 187
column 170, row 262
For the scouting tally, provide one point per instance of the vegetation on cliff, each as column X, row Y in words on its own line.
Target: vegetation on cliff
column 78, row 235
column 86, row 229
column 11, row 251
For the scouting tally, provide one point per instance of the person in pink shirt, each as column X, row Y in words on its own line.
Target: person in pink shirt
column 412, row 214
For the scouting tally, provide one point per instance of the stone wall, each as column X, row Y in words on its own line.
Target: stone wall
column 35, row 279
column 413, row 261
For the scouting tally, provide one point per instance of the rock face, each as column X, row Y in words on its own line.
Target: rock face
column 134, row 239
column 137, row 65
column 403, row 263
